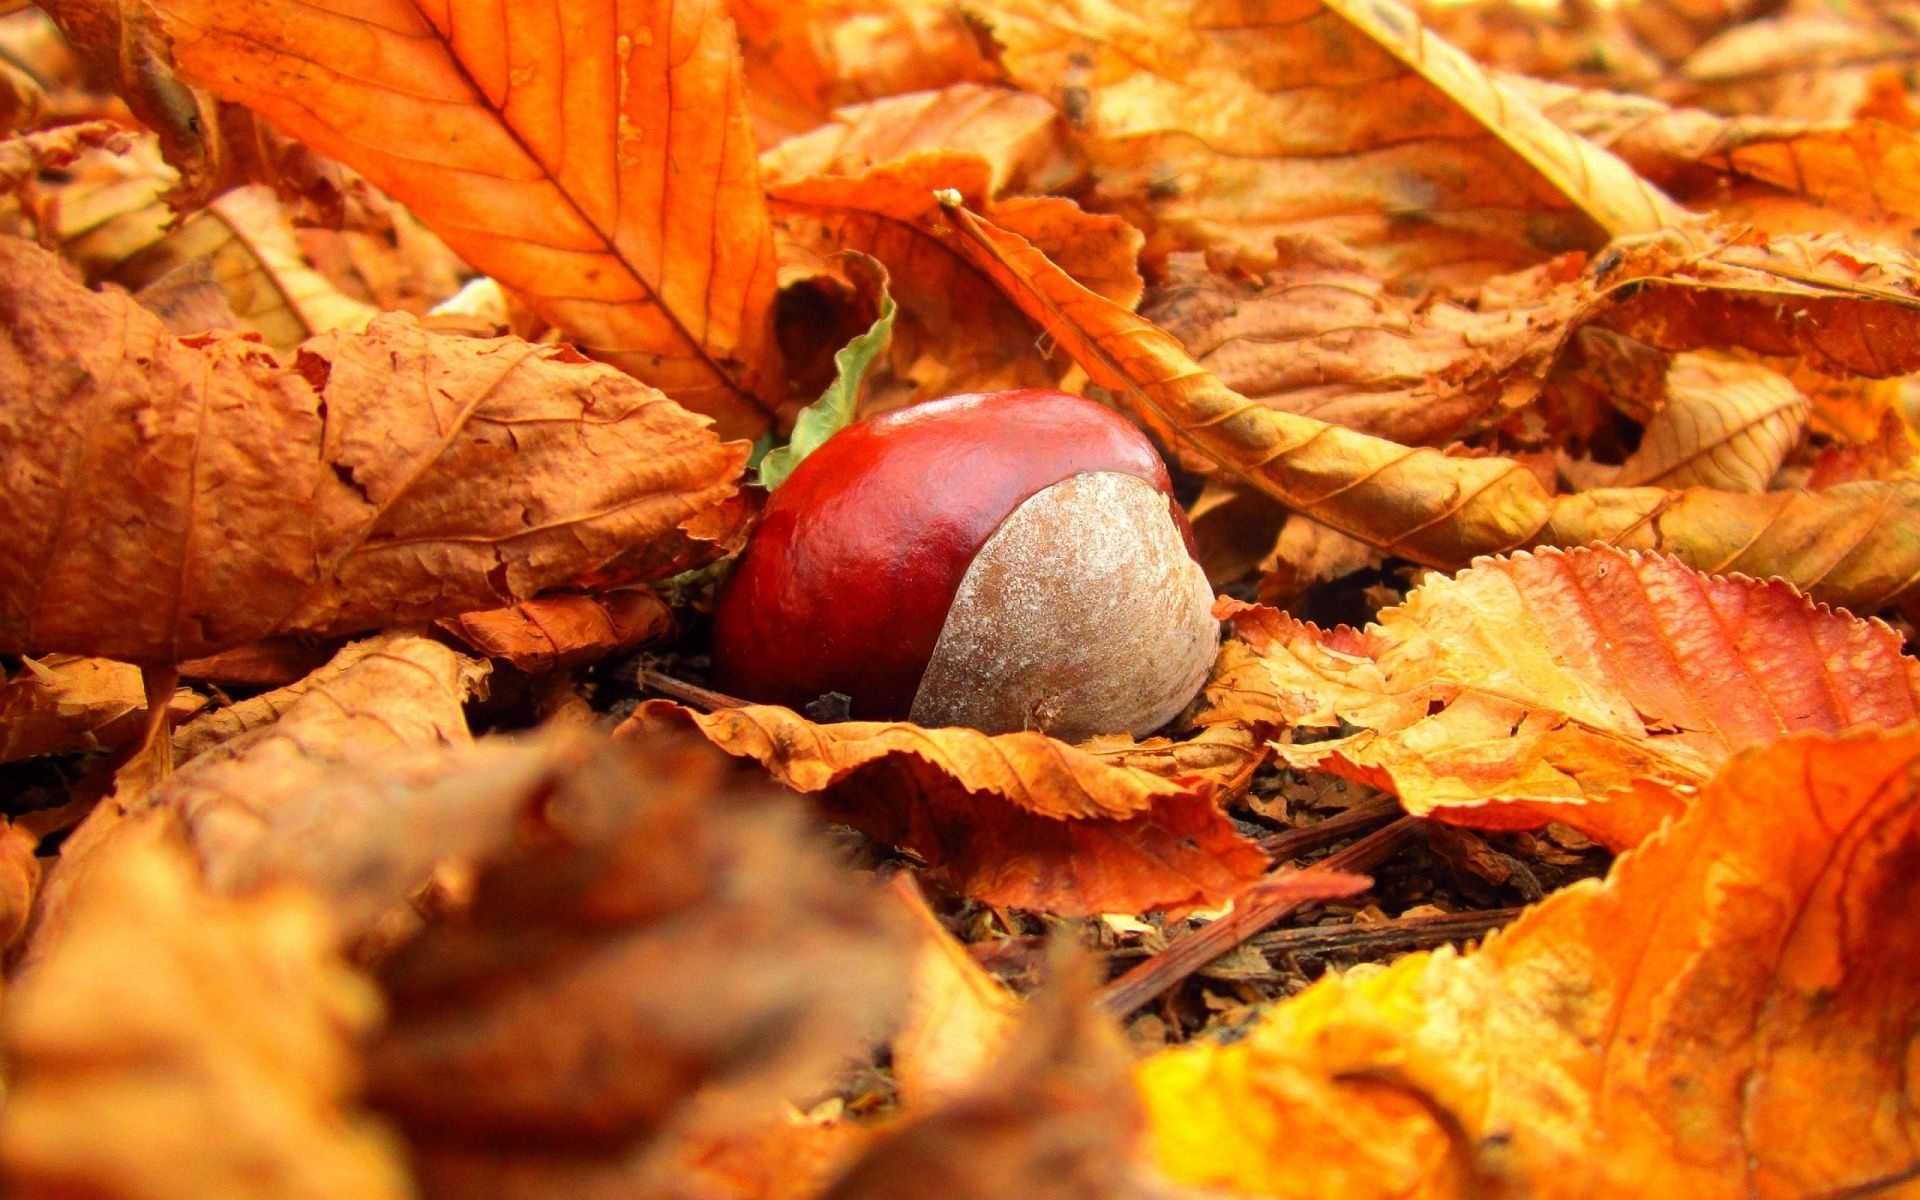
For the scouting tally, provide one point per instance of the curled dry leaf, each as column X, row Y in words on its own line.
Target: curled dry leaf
column 955, row 331
column 63, row 703
column 124, row 44
column 1725, row 424
column 1728, row 1014
column 179, row 497
column 392, row 691
column 1321, row 336
column 1532, row 689
column 1222, row 128
column 1015, row 819
column 549, row 632
column 652, row 251
column 1857, row 545
column 1790, row 176
column 650, row 956
column 178, row 1044
column 24, row 156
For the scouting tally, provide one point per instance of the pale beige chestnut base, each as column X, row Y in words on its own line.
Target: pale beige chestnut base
column 1082, row 614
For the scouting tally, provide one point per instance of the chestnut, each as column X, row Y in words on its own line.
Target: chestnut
column 1005, row 560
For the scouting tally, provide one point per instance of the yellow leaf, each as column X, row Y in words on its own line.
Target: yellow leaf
column 1526, row 690
column 1727, row 1015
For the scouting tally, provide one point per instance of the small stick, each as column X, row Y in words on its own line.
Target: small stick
column 1401, row 933
column 1367, row 815
column 688, row 693
column 1195, row 950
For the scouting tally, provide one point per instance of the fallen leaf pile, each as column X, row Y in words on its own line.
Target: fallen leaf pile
column 387, row 387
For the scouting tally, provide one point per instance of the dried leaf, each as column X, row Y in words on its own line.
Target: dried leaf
column 124, row 43
column 1525, row 690
column 838, row 406
column 1054, row 1119
column 958, row 1018
column 1019, row 134
column 180, row 497
column 268, row 663
column 652, row 251
column 550, row 632
column 176, row 1044
column 65, row 703
column 955, row 332
column 259, row 268
column 1015, row 819
column 1322, row 337
column 387, row 692
column 1802, row 175
column 20, row 873
column 26, row 155
column 1726, row 425
column 1856, row 545
column 1726, row 1015
column 1222, row 128
column 806, row 58
column 649, row 957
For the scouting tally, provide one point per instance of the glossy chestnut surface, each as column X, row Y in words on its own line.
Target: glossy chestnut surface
column 847, row 581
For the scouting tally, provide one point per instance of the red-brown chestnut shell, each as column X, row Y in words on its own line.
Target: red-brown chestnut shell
column 846, row 584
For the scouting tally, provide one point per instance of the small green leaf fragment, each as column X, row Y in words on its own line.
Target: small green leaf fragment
column 840, row 403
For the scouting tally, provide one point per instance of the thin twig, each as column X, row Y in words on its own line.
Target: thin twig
column 1367, row 815
column 1195, row 950
column 688, row 693
column 1401, row 933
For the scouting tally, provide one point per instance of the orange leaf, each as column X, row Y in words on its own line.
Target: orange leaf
column 1727, row 1015
column 1525, row 690
column 1016, row 819
column 179, row 497
column 1019, row 135
column 596, row 158
column 1222, row 128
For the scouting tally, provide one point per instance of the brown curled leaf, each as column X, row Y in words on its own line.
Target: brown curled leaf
column 179, row 497
column 955, row 331
column 63, row 703
column 1014, row 819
